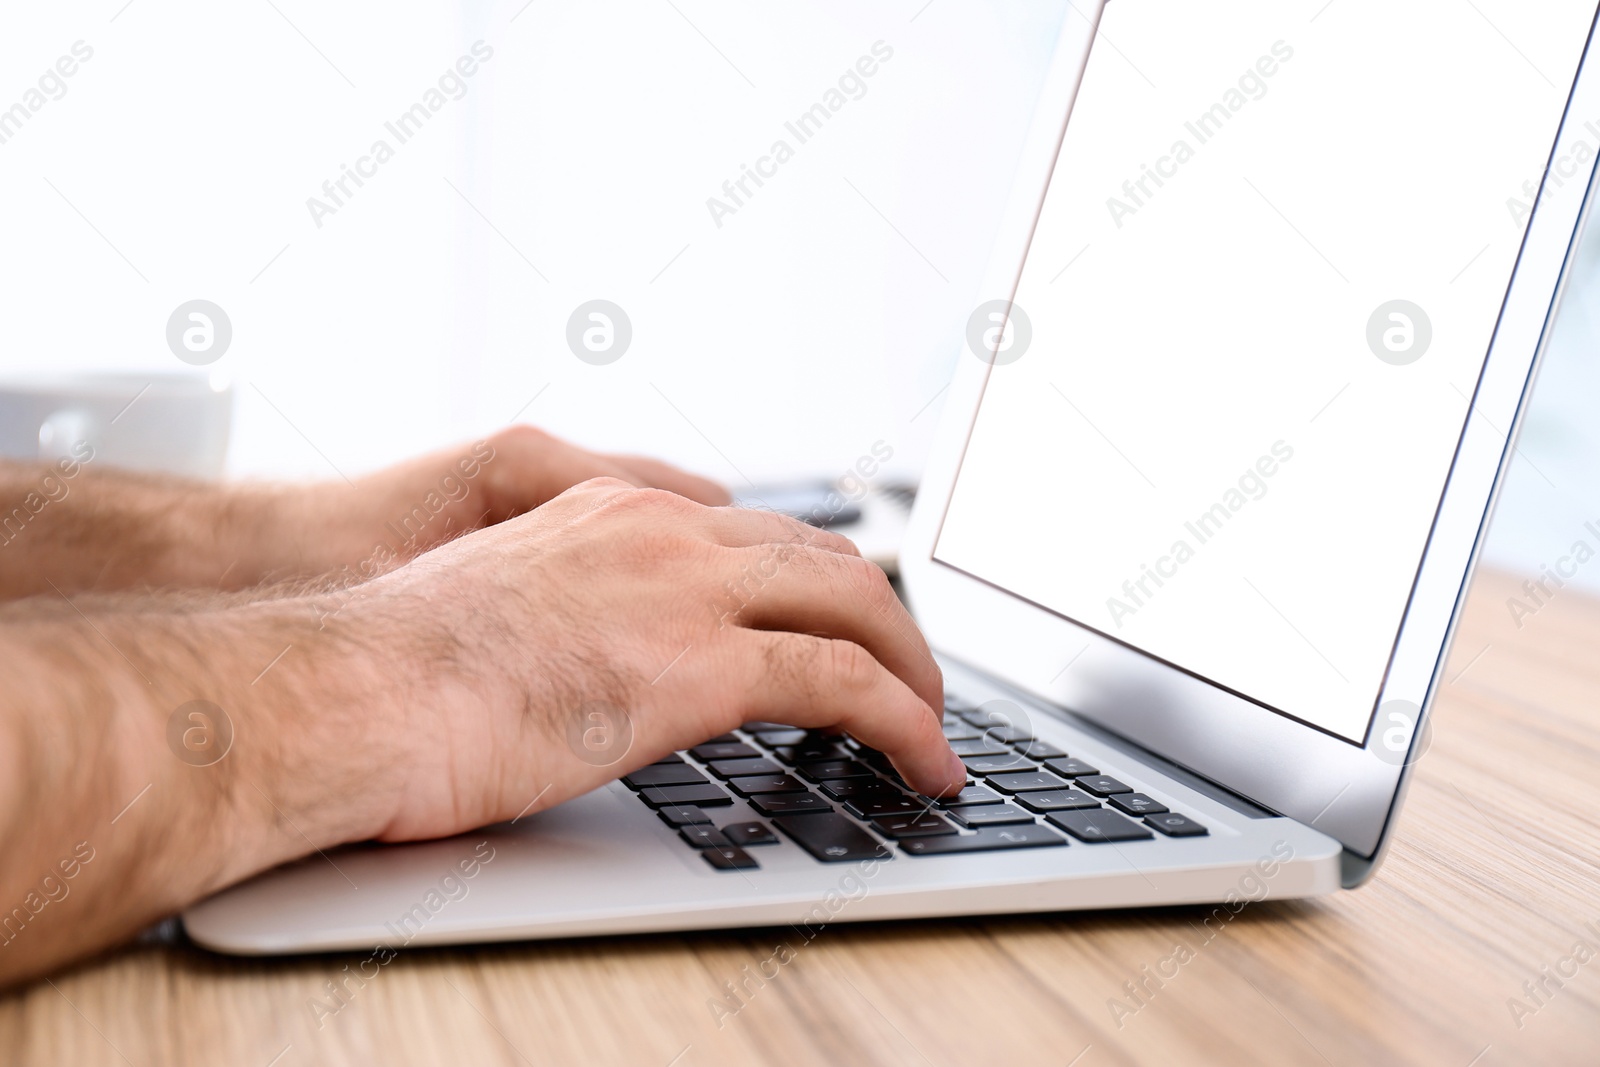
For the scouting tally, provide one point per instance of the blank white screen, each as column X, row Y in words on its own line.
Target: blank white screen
column 1200, row 339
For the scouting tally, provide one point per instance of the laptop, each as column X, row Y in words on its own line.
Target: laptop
column 1213, row 472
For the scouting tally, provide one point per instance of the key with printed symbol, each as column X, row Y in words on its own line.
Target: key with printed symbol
column 1071, row 768
column 789, row 804
column 989, row 840
column 972, row 794
column 730, row 858
column 1098, row 825
column 746, row 834
column 704, row 836
column 831, row 838
column 1056, row 800
column 1103, row 785
column 829, row 770
column 682, row 816
column 1174, row 825
column 898, row 826
column 850, row 788
column 990, row 815
column 1010, row 763
column 719, row 750
column 1027, row 782
column 877, row 807
column 741, row 768
column 1136, row 804
column 761, row 785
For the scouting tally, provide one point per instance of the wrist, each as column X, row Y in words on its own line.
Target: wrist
column 330, row 703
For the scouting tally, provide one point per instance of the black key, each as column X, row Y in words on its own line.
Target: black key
column 680, row 816
column 978, row 746
column 730, row 858
column 898, row 826
column 1010, row 763
column 989, row 840
column 1174, row 825
column 990, row 815
column 774, row 738
column 1071, row 768
column 762, row 784
column 1137, row 804
column 671, row 757
column 956, row 730
column 874, row 808
column 1007, row 735
column 725, row 739
column 850, row 788
column 749, row 833
column 738, row 768
column 712, row 750
column 1040, row 750
column 876, row 760
column 1028, row 782
column 881, row 764
column 663, row 774
column 972, row 794
column 1099, row 825
column 997, row 723
column 1057, row 800
column 789, row 804
column 1103, row 785
column 832, row 838
column 668, row 795
column 764, row 727
column 827, row 770
column 809, row 751
column 704, row 835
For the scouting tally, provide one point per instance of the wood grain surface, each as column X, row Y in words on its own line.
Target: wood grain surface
column 1493, row 880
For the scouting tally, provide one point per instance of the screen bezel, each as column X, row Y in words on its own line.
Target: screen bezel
column 1346, row 790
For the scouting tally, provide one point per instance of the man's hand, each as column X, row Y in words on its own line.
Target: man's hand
column 402, row 511
column 437, row 697
column 675, row 621
column 96, row 530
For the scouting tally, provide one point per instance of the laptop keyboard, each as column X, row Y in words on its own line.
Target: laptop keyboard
column 841, row 801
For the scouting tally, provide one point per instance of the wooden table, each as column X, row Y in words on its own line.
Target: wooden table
column 1493, row 876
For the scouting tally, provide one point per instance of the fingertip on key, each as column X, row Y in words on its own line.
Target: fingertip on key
column 958, row 775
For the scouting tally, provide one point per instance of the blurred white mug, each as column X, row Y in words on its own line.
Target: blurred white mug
column 167, row 422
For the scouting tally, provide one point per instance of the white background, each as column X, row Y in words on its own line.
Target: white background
column 1177, row 345
column 817, row 321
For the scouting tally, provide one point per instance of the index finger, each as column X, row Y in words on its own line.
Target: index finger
column 815, row 682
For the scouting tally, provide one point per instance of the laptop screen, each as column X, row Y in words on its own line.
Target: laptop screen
column 1262, row 285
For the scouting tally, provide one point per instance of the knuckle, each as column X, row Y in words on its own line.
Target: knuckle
column 655, row 502
column 613, row 489
column 842, row 544
column 865, row 577
column 522, row 435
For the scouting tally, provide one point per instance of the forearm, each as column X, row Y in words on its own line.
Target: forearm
column 71, row 528
column 74, row 527
column 114, row 816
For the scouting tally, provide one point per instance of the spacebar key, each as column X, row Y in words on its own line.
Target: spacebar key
column 831, row 837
